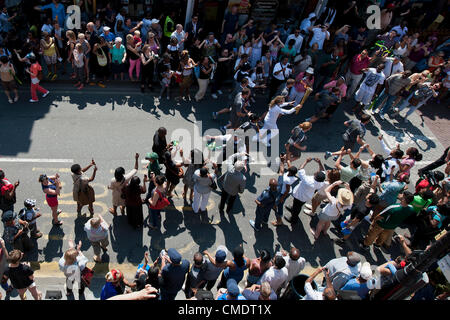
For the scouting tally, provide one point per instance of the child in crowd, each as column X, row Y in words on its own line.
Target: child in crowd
column 166, row 77
column 30, row 214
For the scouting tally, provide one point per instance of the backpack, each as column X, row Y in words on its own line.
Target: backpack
column 162, row 201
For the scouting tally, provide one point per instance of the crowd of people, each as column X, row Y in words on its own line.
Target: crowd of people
column 384, row 72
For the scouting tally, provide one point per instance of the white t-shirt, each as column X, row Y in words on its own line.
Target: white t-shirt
column 298, row 41
column 332, row 210
column 396, row 68
column 372, row 79
column 318, row 37
column 304, row 191
column 294, row 267
column 312, row 294
column 287, row 180
column 275, row 277
column 281, row 76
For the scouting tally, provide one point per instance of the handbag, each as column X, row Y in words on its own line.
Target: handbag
column 213, row 184
column 162, row 201
column 86, row 276
column 102, row 60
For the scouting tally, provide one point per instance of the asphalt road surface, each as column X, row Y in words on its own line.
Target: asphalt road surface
column 112, row 124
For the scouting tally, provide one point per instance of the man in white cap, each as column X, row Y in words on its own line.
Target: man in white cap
column 156, row 29
column 107, row 34
column 308, row 22
column 361, row 284
column 233, row 183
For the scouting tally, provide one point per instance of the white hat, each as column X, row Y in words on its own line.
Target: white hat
column 118, row 39
column 106, row 28
column 310, row 70
column 155, row 21
column 366, row 272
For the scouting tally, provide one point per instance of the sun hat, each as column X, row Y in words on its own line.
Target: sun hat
column 345, row 197
column 310, row 70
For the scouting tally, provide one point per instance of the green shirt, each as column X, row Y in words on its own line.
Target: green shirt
column 394, row 215
column 347, row 173
column 420, row 203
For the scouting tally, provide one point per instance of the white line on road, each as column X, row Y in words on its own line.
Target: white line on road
column 35, row 160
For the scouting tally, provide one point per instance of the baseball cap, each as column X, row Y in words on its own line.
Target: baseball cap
column 29, row 202
column 232, row 288
column 366, row 272
column 310, row 70
column 174, row 255
column 106, row 28
column 155, row 21
column 8, row 216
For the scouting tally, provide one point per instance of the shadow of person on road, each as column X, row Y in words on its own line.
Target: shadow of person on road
column 54, row 245
column 264, row 240
column 126, row 241
column 202, row 232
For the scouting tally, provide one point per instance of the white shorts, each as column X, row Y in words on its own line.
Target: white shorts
column 364, row 95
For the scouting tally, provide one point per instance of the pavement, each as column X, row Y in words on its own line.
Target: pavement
column 112, row 124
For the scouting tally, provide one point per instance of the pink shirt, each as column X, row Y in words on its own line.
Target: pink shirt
column 342, row 87
column 408, row 161
column 299, row 85
column 357, row 64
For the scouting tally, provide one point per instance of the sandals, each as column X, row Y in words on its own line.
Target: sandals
column 276, row 224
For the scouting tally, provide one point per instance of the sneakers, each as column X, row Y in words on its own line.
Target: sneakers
column 327, row 155
column 308, row 212
column 309, row 206
column 219, row 92
column 16, row 99
column 45, row 94
column 31, row 100
column 10, row 101
column 214, row 115
column 214, row 96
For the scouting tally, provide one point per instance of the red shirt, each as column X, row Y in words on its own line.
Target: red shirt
column 6, row 186
column 358, row 64
column 34, row 69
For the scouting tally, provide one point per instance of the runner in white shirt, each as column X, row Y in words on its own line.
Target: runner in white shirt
column 294, row 263
column 271, row 116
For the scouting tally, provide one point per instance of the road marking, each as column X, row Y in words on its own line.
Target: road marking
column 140, row 171
column 65, row 170
column 35, row 160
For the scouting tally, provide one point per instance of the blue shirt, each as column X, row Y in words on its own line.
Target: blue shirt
column 267, row 199
column 5, row 25
column 173, row 276
column 360, row 288
column 224, row 297
column 58, row 13
column 391, row 191
column 109, row 290
column 236, row 274
column 110, row 37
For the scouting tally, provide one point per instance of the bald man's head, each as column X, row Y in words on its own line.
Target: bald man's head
column 294, row 254
column 273, row 184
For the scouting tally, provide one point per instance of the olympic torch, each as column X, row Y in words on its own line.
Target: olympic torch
column 307, row 93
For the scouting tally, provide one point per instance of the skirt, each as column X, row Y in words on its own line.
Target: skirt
column 324, row 217
column 88, row 197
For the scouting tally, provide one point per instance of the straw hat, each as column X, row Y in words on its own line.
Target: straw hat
column 345, row 197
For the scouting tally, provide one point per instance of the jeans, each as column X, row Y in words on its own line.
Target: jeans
column 280, row 205
column 134, row 63
column 412, row 108
column 387, row 106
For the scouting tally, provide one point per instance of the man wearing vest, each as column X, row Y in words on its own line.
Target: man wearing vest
column 169, row 27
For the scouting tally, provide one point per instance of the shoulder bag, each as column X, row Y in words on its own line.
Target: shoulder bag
column 86, row 276
column 213, row 183
column 102, row 60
